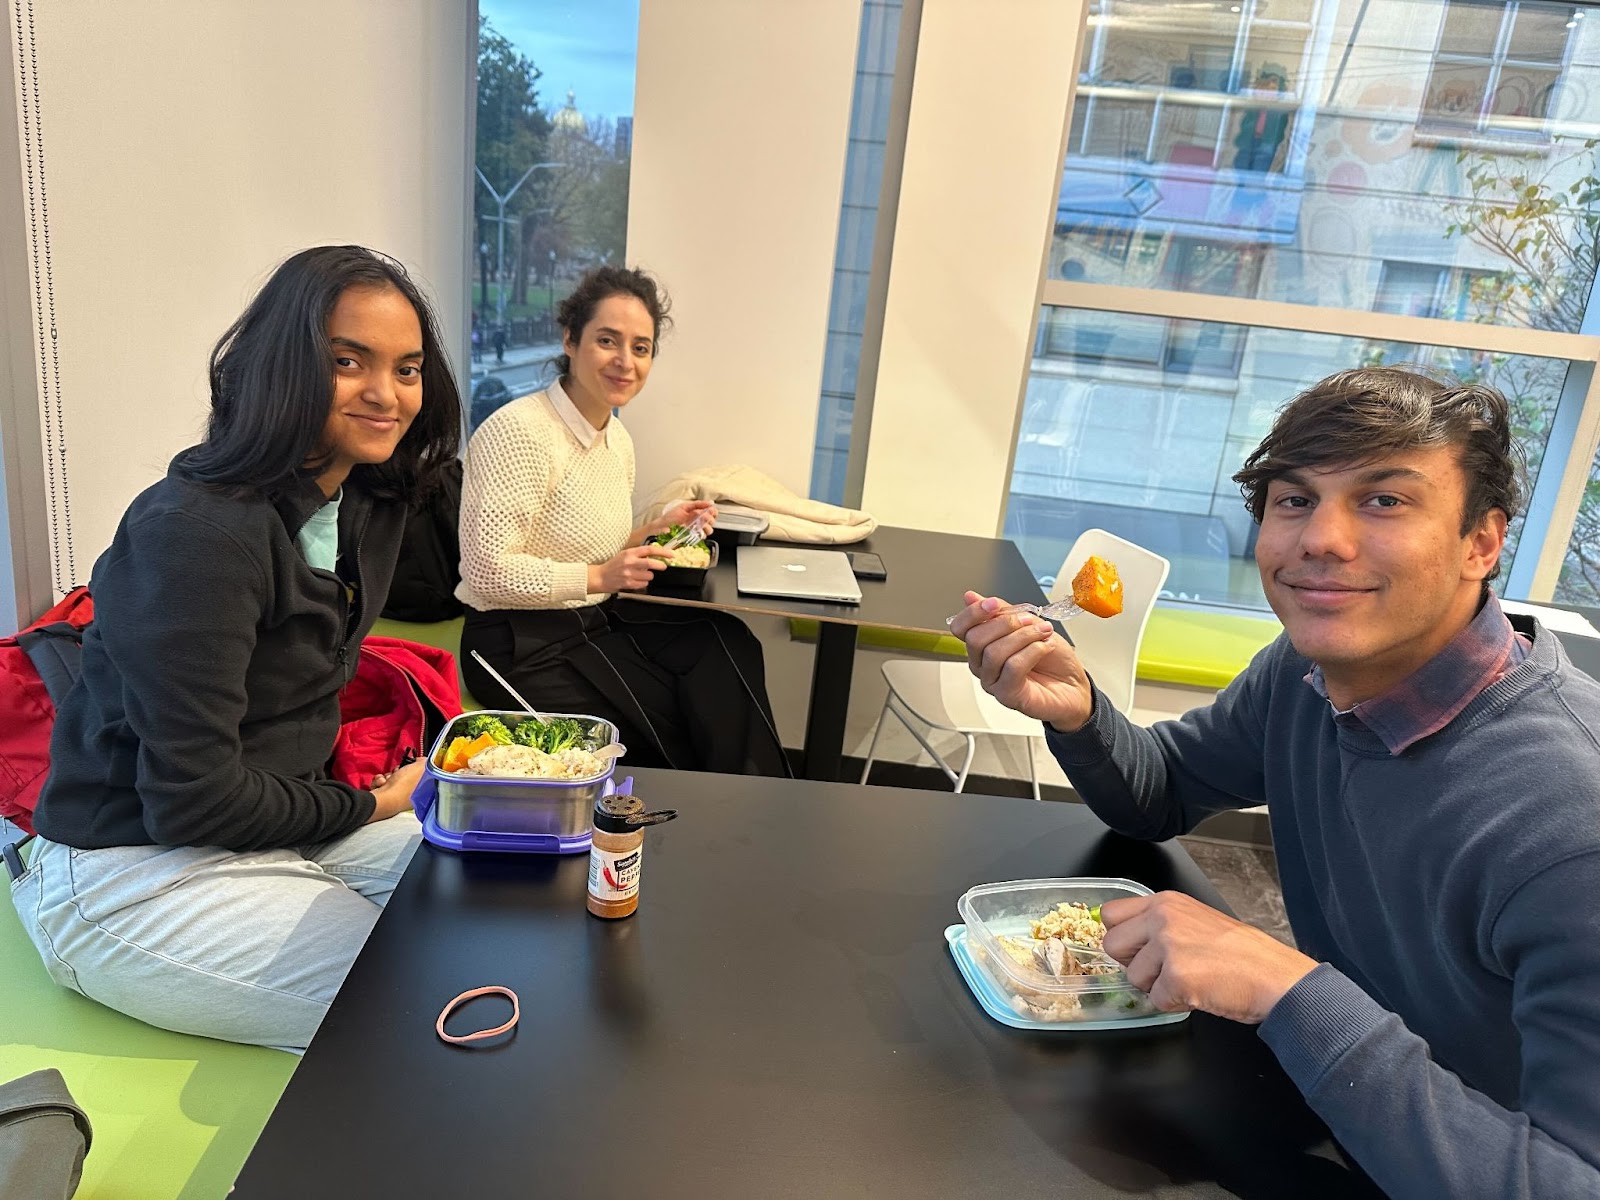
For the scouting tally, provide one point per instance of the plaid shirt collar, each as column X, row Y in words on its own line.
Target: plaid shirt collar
column 1433, row 695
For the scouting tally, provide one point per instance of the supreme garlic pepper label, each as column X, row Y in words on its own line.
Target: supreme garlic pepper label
column 613, row 875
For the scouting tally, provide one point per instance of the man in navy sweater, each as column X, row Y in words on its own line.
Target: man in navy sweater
column 1433, row 777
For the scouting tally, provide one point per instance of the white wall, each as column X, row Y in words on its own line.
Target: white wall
column 190, row 145
column 742, row 118
column 977, row 201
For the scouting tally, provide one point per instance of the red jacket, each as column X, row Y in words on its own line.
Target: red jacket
column 27, row 712
column 401, row 691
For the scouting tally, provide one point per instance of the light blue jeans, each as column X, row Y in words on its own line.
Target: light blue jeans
column 247, row 947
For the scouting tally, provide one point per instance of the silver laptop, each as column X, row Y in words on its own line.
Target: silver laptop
column 797, row 574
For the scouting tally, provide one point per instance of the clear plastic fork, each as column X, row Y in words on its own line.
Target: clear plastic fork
column 692, row 534
column 1058, row 610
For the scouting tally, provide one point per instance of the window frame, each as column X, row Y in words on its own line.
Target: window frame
column 1487, row 126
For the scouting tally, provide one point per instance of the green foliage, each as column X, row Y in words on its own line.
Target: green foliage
column 1549, row 235
column 513, row 132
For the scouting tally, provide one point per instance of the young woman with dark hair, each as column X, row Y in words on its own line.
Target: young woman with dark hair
column 548, row 542
column 195, row 867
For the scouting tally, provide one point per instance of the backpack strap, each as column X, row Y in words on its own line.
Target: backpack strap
column 56, row 652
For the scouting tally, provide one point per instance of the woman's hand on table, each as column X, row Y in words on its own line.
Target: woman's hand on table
column 1024, row 663
column 393, row 791
column 1188, row 956
column 629, row 571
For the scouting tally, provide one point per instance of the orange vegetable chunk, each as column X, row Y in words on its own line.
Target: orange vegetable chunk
column 460, row 751
column 1097, row 588
column 454, row 759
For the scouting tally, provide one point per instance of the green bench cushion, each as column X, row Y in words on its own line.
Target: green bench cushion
column 1201, row 649
column 1197, row 649
column 173, row 1115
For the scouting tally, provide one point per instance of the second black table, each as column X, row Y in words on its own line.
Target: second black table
column 927, row 573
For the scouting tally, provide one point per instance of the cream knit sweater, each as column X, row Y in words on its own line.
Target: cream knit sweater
column 538, row 506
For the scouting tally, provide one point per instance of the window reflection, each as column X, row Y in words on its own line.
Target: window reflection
column 1123, row 429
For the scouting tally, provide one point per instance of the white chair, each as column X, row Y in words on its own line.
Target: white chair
column 946, row 696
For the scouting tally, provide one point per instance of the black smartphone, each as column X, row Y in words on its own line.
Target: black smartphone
column 867, row 566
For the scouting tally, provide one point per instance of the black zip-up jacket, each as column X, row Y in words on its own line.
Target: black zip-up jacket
column 209, row 700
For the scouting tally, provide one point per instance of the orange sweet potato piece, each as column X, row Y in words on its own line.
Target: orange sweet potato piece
column 460, row 751
column 1097, row 588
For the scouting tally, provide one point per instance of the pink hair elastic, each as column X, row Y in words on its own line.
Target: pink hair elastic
column 462, row 1039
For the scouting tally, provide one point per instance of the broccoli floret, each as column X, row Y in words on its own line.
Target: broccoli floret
column 556, row 734
column 661, row 539
column 529, row 732
column 564, row 733
column 481, row 723
column 692, row 535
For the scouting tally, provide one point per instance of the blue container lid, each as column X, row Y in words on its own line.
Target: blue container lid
column 484, row 840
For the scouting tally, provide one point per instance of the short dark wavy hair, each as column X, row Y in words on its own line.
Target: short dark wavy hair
column 577, row 310
column 272, row 384
column 1371, row 413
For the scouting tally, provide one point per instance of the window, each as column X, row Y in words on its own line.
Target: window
column 1207, row 85
column 1497, row 67
column 1331, row 177
column 1152, row 459
column 1429, row 290
column 1579, row 582
column 852, row 267
column 1213, row 205
column 1179, row 347
column 550, row 194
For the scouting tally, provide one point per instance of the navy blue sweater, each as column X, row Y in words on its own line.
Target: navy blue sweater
column 1451, row 1036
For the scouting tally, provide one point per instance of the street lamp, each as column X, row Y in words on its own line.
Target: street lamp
column 500, row 252
column 551, row 280
column 483, row 280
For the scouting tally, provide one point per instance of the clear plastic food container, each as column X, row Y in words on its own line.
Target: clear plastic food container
column 738, row 526
column 993, row 911
column 509, row 813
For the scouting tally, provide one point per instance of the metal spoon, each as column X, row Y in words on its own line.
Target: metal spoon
column 515, row 695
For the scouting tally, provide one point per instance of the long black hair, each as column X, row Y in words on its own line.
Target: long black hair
column 272, row 384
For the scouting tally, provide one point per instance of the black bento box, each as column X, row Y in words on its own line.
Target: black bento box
column 684, row 579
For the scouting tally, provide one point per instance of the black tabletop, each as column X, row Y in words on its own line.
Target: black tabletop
column 927, row 573
column 780, row 1018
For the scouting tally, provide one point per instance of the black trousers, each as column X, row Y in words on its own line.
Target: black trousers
column 686, row 687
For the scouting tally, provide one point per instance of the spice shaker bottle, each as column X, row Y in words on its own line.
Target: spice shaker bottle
column 614, row 855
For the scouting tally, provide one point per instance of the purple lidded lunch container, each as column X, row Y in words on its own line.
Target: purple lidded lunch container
column 510, row 814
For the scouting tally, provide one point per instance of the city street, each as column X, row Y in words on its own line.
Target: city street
column 524, row 370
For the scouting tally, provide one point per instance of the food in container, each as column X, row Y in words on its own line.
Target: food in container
column 1036, row 944
column 497, row 800
column 688, row 567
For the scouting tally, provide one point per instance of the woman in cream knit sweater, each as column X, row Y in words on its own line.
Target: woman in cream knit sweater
column 548, row 542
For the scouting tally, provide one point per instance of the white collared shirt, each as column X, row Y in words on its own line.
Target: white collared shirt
column 574, row 420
